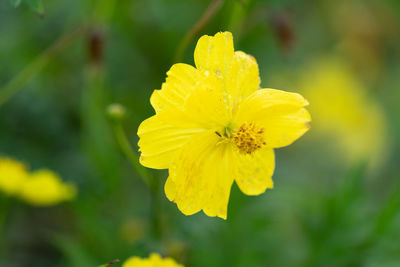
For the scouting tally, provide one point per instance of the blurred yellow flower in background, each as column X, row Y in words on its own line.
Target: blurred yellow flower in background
column 153, row 261
column 133, row 230
column 343, row 110
column 213, row 125
column 12, row 175
column 45, row 188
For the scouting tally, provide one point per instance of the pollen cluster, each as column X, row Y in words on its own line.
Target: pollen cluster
column 248, row 138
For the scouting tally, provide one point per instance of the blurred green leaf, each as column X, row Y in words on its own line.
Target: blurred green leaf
column 36, row 5
column 15, row 3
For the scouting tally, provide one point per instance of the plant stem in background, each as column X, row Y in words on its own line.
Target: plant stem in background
column 196, row 29
column 96, row 134
column 156, row 212
column 116, row 113
column 237, row 15
column 130, row 154
column 17, row 83
column 103, row 11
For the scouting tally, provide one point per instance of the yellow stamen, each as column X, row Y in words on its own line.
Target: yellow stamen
column 248, row 138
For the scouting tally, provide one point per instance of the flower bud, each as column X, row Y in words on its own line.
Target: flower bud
column 116, row 111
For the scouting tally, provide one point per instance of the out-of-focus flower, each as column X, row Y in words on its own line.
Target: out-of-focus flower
column 12, row 175
column 153, row 261
column 343, row 110
column 213, row 125
column 176, row 248
column 133, row 230
column 45, row 188
column 116, row 111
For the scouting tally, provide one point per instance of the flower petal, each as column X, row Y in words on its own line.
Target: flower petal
column 45, row 188
column 169, row 102
column 244, row 77
column 201, row 176
column 254, row 171
column 13, row 175
column 153, row 260
column 209, row 105
column 215, row 54
column 280, row 113
column 191, row 99
column 160, row 141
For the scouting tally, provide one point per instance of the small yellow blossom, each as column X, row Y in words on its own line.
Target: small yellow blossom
column 153, row 261
column 12, row 175
column 45, row 188
column 213, row 126
column 344, row 111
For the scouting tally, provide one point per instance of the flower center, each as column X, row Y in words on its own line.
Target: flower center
column 248, row 138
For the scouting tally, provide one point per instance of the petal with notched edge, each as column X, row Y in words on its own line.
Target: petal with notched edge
column 215, row 54
column 169, row 102
column 253, row 172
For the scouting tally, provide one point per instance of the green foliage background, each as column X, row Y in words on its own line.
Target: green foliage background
column 323, row 211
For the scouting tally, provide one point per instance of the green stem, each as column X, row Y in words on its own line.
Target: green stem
column 17, row 83
column 153, row 184
column 133, row 158
column 237, row 16
column 103, row 11
column 155, row 213
column 196, row 29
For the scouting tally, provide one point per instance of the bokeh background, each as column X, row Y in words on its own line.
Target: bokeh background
column 336, row 200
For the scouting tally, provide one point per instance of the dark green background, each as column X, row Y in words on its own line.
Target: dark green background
column 323, row 210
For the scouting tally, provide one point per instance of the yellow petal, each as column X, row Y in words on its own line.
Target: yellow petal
column 12, row 175
column 160, row 141
column 191, row 99
column 201, row 176
column 279, row 113
column 153, row 261
column 133, row 262
column 254, row 171
column 243, row 78
column 215, row 54
column 169, row 102
column 209, row 105
column 45, row 188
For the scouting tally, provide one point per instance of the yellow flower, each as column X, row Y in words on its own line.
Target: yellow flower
column 213, row 125
column 45, row 188
column 153, row 261
column 343, row 110
column 12, row 175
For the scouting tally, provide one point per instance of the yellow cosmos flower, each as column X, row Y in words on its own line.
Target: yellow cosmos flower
column 353, row 119
column 45, row 188
column 12, row 175
column 213, row 125
column 153, row 261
